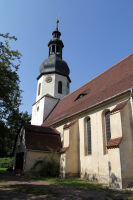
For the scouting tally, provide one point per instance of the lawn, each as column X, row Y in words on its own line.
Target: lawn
column 6, row 162
column 85, row 184
column 69, row 182
column 74, row 183
column 2, row 170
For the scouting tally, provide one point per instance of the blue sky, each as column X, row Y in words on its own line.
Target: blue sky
column 96, row 35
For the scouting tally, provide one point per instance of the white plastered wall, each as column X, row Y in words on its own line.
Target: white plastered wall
column 38, row 112
column 69, row 160
column 33, row 156
column 52, row 87
column 41, row 109
column 126, row 146
column 97, row 165
column 65, row 89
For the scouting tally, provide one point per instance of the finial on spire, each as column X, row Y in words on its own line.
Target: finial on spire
column 57, row 22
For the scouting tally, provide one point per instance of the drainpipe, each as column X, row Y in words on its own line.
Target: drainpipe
column 131, row 102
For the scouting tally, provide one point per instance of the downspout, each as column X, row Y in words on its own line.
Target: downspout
column 131, row 102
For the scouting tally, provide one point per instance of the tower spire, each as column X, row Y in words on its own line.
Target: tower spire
column 57, row 22
column 55, row 44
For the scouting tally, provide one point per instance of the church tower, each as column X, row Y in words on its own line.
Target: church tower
column 53, row 81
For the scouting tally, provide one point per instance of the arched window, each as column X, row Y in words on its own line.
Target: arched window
column 57, row 49
column 88, row 123
column 53, row 48
column 107, row 122
column 87, row 137
column 39, row 89
column 106, row 129
column 60, row 87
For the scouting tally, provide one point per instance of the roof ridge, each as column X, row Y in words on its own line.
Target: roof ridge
column 99, row 74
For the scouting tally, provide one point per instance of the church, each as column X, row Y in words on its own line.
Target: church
column 90, row 130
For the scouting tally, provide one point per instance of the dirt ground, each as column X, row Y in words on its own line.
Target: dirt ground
column 9, row 192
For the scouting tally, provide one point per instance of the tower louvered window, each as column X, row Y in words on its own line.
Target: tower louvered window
column 107, row 121
column 89, row 135
column 60, row 87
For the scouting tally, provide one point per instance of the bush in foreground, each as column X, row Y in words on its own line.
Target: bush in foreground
column 48, row 167
column 6, row 162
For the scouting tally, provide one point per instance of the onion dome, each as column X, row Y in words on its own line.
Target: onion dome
column 54, row 63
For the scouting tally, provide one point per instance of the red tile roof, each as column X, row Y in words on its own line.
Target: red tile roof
column 69, row 125
column 63, row 149
column 40, row 129
column 112, row 82
column 119, row 106
column 42, row 138
column 114, row 143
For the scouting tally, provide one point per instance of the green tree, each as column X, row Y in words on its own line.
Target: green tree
column 4, row 140
column 10, row 95
column 15, row 120
column 9, row 131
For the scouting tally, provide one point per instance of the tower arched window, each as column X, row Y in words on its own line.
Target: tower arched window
column 107, row 122
column 57, row 49
column 39, row 89
column 53, row 48
column 60, row 87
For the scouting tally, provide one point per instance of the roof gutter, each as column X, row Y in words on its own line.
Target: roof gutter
column 125, row 91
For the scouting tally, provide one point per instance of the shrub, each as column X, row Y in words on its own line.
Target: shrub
column 6, row 162
column 48, row 167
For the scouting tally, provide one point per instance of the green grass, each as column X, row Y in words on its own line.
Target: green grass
column 75, row 183
column 83, row 184
column 69, row 182
column 6, row 162
column 3, row 170
column 34, row 190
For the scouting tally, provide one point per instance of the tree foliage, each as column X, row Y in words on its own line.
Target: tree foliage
column 10, row 95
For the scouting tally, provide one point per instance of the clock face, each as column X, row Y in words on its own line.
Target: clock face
column 48, row 79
